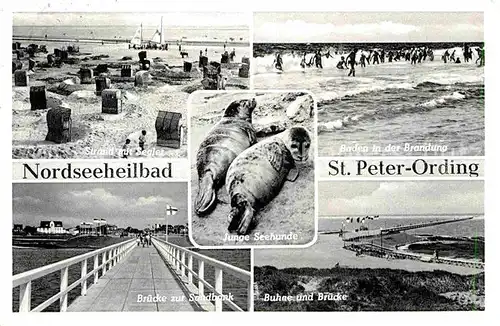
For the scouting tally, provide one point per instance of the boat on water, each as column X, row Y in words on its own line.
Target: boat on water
column 156, row 42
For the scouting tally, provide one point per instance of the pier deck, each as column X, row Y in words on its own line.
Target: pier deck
column 142, row 272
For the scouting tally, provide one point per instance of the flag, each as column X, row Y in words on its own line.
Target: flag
column 171, row 210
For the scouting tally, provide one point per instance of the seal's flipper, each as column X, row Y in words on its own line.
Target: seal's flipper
column 206, row 197
column 273, row 154
column 223, row 196
column 293, row 174
column 241, row 215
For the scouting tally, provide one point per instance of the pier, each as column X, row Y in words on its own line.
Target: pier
column 354, row 236
column 384, row 252
column 128, row 277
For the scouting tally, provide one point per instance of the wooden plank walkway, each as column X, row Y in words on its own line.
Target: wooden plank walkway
column 144, row 273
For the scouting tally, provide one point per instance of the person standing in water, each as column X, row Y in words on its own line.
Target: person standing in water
column 351, row 61
column 303, row 61
column 278, row 62
column 342, row 64
column 362, row 60
column 317, row 59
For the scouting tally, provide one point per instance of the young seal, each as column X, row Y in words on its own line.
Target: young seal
column 228, row 138
column 257, row 175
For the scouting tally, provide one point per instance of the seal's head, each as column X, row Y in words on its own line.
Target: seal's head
column 241, row 109
column 298, row 142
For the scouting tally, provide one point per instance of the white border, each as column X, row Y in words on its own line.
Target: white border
column 314, row 131
column 492, row 163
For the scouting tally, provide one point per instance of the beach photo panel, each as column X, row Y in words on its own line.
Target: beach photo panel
column 383, row 246
column 387, row 83
column 115, row 85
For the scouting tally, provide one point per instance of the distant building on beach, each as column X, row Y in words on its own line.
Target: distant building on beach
column 51, row 227
column 97, row 227
column 18, row 228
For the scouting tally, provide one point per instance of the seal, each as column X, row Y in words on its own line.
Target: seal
column 226, row 140
column 257, row 175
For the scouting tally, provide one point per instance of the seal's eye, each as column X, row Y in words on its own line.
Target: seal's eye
column 307, row 145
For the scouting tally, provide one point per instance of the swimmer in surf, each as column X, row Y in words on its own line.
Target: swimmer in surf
column 278, row 62
column 342, row 64
column 303, row 61
column 351, row 61
column 362, row 60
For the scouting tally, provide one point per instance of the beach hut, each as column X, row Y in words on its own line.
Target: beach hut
column 188, row 66
column 102, row 83
column 21, row 78
column 126, row 71
column 111, row 101
column 38, row 98
column 203, row 61
column 168, row 129
column 86, row 75
column 59, row 125
column 244, row 71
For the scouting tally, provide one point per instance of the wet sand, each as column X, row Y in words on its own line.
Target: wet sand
column 328, row 251
column 97, row 135
column 291, row 211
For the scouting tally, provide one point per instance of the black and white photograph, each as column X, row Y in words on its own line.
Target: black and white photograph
column 383, row 246
column 252, row 168
column 88, row 247
column 115, row 85
column 387, row 83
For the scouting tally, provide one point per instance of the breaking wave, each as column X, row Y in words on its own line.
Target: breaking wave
column 350, row 120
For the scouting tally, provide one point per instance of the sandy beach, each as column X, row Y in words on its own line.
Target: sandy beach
column 97, row 135
column 293, row 209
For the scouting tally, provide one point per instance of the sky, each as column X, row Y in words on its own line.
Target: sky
column 346, row 27
column 216, row 19
column 123, row 204
column 400, row 198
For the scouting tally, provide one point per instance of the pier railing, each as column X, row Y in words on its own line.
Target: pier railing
column 181, row 261
column 103, row 259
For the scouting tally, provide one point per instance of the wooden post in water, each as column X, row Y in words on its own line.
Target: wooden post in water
column 83, row 273
column 201, row 277
column 25, row 297
column 218, row 289
column 63, row 301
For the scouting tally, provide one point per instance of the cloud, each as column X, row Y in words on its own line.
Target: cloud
column 133, row 205
column 403, row 198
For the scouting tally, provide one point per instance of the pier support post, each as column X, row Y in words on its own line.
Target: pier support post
column 104, row 263
column 96, row 265
column 84, row 272
column 201, row 277
column 63, row 301
column 249, row 297
column 183, row 262
column 190, row 268
column 218, row 289
column 177, row 256
column 25, row 297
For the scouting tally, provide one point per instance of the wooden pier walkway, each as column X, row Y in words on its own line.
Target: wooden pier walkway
column 126, row 277
column 141, row 274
